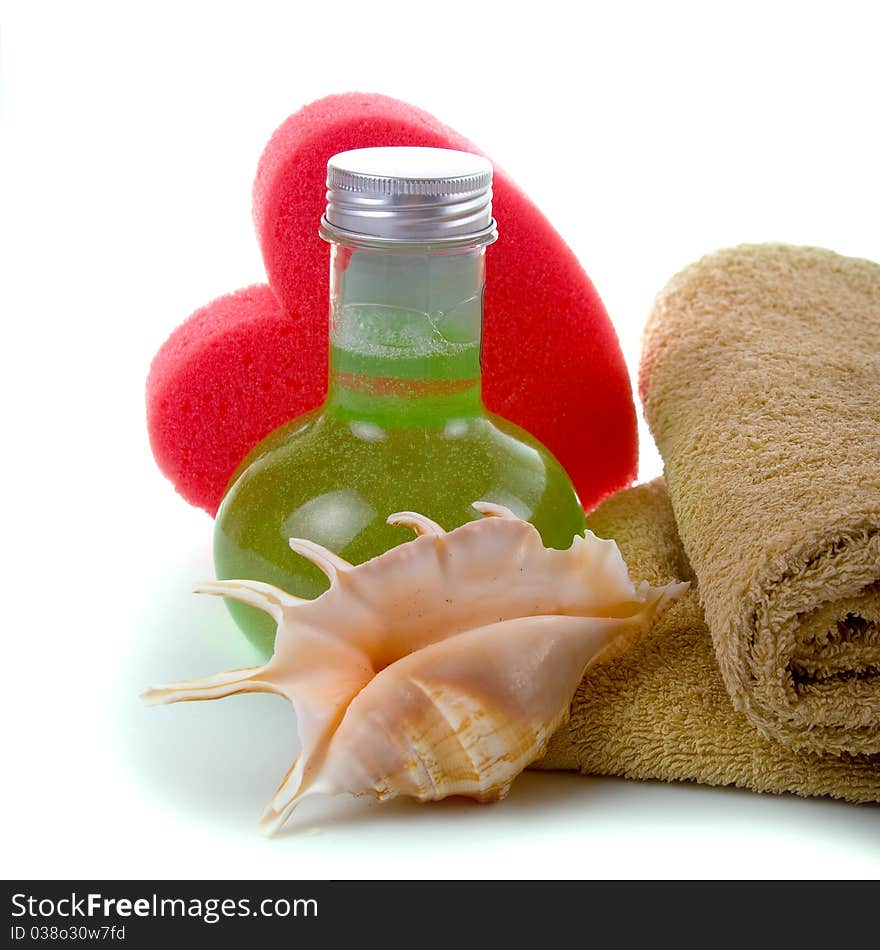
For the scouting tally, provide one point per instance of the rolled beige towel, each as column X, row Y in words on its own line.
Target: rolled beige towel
column 760, row 379
column 661, row 710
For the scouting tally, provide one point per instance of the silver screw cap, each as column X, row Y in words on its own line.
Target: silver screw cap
column 409, row 195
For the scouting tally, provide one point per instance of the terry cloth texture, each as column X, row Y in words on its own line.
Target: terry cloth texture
column 661, row 710
column 760, row 378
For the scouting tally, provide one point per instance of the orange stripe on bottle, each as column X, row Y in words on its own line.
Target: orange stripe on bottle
column 392, row 386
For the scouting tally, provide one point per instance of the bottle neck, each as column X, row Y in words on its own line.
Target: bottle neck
column 405, row 334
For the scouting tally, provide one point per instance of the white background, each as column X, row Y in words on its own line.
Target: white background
column 649, row 133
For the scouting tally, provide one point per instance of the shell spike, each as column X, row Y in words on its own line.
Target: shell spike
column 277, row 812
column 302, row 781
column 323, row 558
column 419, row 523
column 491, row 510
column 258, row 594
column 211, row 687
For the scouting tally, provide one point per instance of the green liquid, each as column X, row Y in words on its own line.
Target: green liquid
column 403, row 429
column 403, row 369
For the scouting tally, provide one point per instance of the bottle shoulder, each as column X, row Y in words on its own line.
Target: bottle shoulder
column 321, row 436
column 285, row 434
column 477, row 458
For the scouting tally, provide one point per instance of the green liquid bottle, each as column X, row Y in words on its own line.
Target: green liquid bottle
column 403, row 427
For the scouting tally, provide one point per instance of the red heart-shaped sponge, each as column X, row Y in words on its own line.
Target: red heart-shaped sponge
column 244, row 364
column 226, row 377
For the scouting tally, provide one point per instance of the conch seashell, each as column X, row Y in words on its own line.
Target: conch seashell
column 441, row 667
